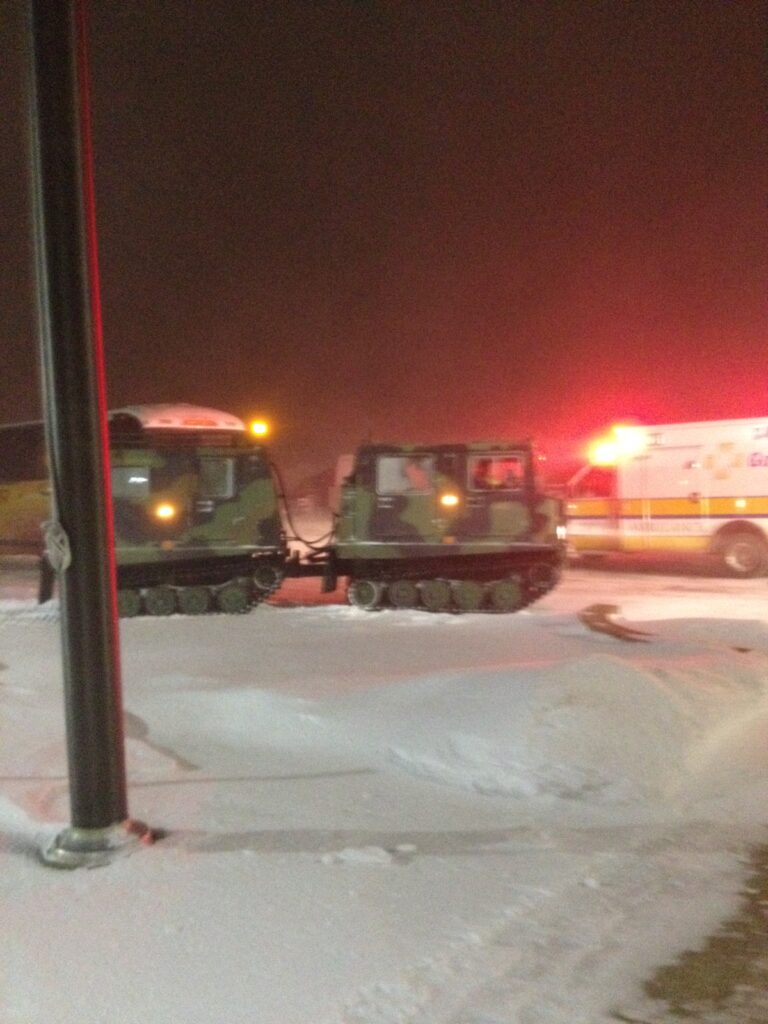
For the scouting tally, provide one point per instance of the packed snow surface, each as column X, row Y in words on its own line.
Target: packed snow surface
column 398, row 818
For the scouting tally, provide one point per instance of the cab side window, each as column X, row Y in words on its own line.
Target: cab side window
column 217, row 477
column 598, row 482
column 132, row 482
column 496, row 472
column 404, row 474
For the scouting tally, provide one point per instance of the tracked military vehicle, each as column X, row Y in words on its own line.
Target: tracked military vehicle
column 197, row 522
column 199, row 519
column 446, row 528
column 196, row 516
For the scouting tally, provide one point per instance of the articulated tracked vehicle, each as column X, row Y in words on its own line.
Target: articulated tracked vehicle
column 200, row 519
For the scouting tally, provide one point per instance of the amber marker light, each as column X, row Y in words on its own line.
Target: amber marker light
column 165, row 511
column 449, row 500
column 259, row 428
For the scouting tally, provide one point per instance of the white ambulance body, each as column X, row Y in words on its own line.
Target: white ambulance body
column 679, row 487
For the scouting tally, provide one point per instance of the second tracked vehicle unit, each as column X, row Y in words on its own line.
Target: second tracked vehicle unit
column 446, row 528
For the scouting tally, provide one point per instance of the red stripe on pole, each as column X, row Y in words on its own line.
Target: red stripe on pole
column 97, row 330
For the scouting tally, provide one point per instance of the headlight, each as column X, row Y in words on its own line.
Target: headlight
column 561, row 531
column 165, row 511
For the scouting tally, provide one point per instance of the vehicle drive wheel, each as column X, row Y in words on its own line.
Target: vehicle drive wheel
column 266, row 578
column 128, row 603
column 403, row 594
column 505, row 595
column 436, row 595
column 744, row 554
column 365, row 594
column 194, row 600
column 468, row 595
column 233, row 599
column 160, row 601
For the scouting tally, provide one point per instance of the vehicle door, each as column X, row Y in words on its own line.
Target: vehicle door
column 592, row 510
column 403, row 497
column 234, row 499
column 498, row 497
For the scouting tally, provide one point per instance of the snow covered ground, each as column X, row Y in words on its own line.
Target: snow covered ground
column 397, row 818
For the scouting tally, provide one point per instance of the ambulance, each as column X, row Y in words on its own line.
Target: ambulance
column 695, row 488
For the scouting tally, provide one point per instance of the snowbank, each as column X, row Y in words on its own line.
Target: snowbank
column 390, row 819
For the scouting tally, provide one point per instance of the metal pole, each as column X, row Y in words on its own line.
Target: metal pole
column 79, row 538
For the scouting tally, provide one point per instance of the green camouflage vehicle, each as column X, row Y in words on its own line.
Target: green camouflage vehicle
column 198, row 518
column 459, row 527
column 196, row 515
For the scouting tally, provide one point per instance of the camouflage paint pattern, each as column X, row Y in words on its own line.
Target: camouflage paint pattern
column 206, row 512
column 382, row 521
column 241, row 518
column 243, row 521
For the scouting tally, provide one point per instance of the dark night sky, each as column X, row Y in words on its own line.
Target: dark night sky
column 422, row 221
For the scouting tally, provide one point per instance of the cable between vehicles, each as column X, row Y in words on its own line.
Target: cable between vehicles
column 319, row 544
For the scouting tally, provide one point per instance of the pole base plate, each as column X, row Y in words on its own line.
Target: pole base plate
column 95, row 847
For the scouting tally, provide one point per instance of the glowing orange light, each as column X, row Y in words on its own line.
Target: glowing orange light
column 165, row 510
column 603, row 452
column 630, row 440
column 449, row 500
column 259, row 428
column 623, row 442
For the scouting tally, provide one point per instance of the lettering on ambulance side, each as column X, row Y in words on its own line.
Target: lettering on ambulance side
column 758, row 459
column 677, row 525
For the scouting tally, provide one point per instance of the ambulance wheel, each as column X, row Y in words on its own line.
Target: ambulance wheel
column 365, row 594
column 744, row 554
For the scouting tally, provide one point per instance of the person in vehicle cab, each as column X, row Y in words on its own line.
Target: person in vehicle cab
column 417, row 475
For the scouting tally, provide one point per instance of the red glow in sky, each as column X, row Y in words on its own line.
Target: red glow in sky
column 417, row 222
